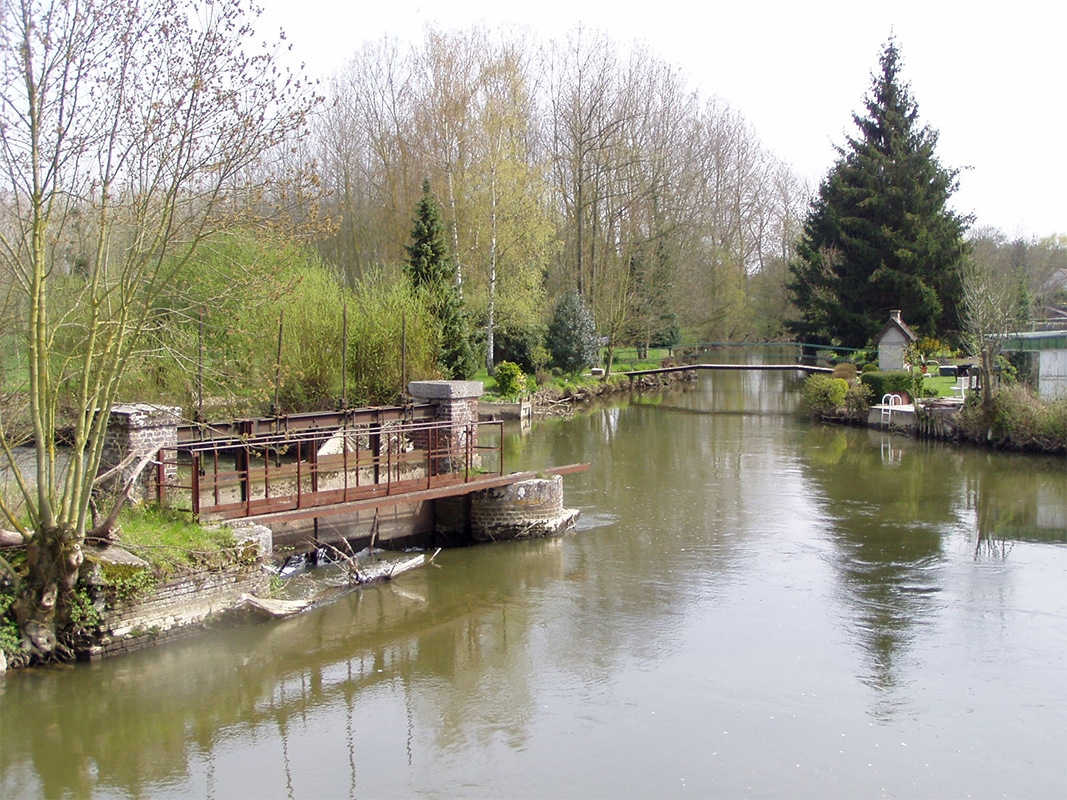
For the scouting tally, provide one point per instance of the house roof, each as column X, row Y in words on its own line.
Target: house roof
column 1037, row 340
column 895, row 323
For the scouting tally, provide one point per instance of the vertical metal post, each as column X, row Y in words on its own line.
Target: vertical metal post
column 195, row 484
column 344, row 357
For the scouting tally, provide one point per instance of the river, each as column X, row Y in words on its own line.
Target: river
column 751, row 606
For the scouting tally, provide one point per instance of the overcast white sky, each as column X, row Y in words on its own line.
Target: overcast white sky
column 991, row 79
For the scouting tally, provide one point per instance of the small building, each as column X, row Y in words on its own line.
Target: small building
column 1048, row 351
column 892, row 341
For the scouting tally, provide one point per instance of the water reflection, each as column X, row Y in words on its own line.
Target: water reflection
column 893, row 507
column 745, row 594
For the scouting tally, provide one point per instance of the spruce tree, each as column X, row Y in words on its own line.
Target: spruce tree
column 432, row 272
column 571, row 338
column 880, row 235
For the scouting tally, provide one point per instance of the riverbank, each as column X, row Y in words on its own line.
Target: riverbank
column 1018, row 421
column 562, row 400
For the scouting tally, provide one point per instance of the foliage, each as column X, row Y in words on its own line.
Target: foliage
column 824, row 394
column 572, row 338
column 83, row 610
column 522, row 345
column 883, row 383
column 432, row 271
column 220, row 322
column 172, row 541
column 10, row 639
column 392, row 339
column 858, row 398
column 996, row 303
column 880, row 234
column 845, row 370
column 126, row 582
column 561, row 167
column 1019, row 420
column 510, row 380
column 130, row 132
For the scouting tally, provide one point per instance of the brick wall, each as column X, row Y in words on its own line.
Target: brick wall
column 184, row 605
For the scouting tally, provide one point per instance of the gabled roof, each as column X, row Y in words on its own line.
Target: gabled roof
column 895, row 323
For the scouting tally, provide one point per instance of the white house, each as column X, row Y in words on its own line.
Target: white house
column 892, row 341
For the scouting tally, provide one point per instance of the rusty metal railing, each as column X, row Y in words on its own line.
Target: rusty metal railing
column 232, row 477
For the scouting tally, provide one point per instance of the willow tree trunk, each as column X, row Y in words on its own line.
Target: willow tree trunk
column 42, row 609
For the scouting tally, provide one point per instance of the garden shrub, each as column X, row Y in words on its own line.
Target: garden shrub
column 824, row 394
column 510, row 380
column 1019, row 421
column 522, row 345
column 883, row 383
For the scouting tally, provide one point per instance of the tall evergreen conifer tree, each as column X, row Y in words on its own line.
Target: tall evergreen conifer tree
column 880, row 235
column 432, row 271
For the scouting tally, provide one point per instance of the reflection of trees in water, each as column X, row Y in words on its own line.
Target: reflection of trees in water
column 888, row 511
column 893, row 503
column 1022, row 500
column 135, row 721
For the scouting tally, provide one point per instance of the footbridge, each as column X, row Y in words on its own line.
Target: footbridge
column 319, row 465
column 808, row 368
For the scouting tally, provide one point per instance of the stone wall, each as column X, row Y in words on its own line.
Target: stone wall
column 174, row 609
column 181, row 606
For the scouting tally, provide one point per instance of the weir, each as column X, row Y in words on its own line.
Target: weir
column 391, row 475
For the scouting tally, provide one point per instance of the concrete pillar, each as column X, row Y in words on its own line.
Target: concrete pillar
column 457, row 403
column 138, row 429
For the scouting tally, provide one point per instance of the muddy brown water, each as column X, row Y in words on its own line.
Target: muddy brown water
column 752, row 606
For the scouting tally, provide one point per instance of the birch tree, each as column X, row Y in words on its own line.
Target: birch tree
column 129, row 132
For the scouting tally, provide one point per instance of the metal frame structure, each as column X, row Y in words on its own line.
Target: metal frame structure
column 246, row 469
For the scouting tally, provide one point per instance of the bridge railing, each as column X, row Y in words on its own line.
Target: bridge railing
column 269, row 473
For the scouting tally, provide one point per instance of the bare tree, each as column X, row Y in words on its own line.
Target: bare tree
column 992, row 310
column 129, row 133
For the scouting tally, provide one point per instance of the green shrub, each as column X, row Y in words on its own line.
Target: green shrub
column 858, row 398
column 824, row 394
column 870, row 366
column 883, row 383
column 83, row 610
column 521, row 345
column 10, row 640
column 1019, row 421
column 392, row 335
column 510, row 380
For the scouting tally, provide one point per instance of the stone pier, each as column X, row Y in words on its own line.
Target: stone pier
column 457, row 404
column 137, row 430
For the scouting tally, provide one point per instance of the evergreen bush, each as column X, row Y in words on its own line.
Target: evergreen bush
column 571, row 337
column 883, row 383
